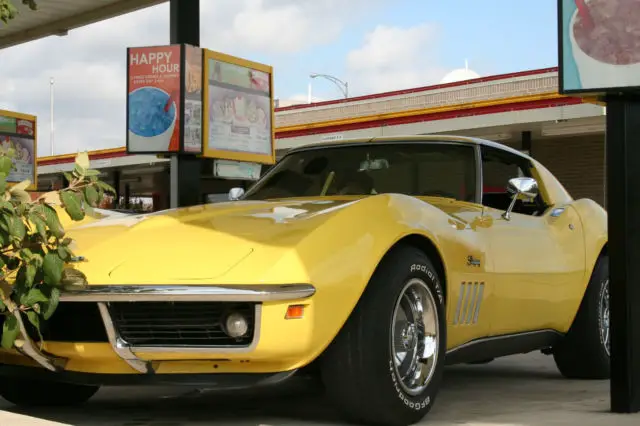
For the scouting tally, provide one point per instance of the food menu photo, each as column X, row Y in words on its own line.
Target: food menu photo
column 239, row 109
column 192, row 100
column 18, row 133
column 599, row 45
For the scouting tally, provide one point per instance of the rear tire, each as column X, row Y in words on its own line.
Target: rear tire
column 360, row 368
column 585, row 351
column 44, row 393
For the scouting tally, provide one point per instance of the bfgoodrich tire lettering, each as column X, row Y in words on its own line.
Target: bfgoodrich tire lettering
column 360, row 368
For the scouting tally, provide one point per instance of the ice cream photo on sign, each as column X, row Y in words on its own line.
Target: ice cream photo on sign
column 154, row 99
column 604, row 40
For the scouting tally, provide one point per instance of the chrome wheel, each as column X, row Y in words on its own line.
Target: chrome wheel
column 414, row 336
column 605, row 335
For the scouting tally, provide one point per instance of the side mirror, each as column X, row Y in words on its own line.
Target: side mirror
column 521, row 188
column 235, row 194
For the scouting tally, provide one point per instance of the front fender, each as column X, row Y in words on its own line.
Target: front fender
column 341, row 255
column 595, row 224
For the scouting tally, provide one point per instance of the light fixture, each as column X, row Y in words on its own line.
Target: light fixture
column 236, row 325
column 573, row 129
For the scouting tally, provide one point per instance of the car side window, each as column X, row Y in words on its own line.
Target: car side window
column 498, row 166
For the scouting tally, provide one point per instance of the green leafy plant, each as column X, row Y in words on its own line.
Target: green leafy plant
column 34, row 250
column 9, row 11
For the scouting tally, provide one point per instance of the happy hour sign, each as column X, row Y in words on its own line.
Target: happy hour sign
column 154, row 99
column 599, row 45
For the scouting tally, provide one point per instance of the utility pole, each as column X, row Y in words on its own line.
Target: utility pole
column 51, row 83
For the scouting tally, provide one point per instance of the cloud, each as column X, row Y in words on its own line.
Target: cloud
column 88, row 65
column 394, row 58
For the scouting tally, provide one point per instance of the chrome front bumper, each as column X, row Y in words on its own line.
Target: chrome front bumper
column 102, row 295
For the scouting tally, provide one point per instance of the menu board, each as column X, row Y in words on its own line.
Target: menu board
column 18, row 132
column 599, row 46
column 153, row 99
column 239, row 116
column 192, row 138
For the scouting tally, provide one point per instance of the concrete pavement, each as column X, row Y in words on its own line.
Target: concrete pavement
column 522, row 390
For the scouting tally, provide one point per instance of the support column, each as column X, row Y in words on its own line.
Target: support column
column 525, row 142
column 623, row 202
column 116, row 186
column 185, row 183
column 127, row 196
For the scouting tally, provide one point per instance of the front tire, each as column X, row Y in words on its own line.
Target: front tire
column 385, row 366
column 585, row 351
column 44, row 393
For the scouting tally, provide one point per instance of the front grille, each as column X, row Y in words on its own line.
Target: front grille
column 174, row 324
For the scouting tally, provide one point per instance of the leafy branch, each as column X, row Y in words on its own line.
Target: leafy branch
column 34, row 250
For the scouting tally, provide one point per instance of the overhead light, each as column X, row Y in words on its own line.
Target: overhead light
column 131, row 180
column 496, row 137
column 143, row 170
column 570, row 130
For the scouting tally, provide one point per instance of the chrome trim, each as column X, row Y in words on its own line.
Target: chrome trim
column 189, row 293
column 150, row 293
column 469, row 302
column 478, row 303
column 479, row 174
column 474, row 303
column 129, row 352
column 459, row 304
column 119, row 346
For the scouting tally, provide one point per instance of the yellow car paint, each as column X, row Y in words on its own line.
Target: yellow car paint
column 531, row 273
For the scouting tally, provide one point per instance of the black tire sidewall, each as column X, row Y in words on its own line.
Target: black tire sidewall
column 414, row 264
column 582, row 353
column 601, row 284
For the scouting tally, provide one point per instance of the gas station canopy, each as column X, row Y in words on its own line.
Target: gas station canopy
column 58, row 17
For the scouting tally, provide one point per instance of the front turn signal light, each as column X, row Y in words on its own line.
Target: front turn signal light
column 295, row 312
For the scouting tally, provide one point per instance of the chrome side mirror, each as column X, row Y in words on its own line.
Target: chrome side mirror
column 521, row 188
column 235, row 194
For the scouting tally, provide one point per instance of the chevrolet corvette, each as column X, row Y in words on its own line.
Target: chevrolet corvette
column 369, row 264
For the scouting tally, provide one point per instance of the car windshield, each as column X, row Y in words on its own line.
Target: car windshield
column 419, row 169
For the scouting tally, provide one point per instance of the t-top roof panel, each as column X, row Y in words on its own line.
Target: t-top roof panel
column 57, row 17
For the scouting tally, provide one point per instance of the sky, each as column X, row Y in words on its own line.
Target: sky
column 373, row 45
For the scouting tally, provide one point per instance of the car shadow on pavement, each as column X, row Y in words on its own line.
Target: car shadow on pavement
column 523, row 390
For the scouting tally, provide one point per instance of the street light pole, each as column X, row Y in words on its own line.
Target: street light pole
column 51, row 82
column 342, row 85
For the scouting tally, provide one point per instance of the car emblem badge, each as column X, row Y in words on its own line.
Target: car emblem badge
column 472, row 261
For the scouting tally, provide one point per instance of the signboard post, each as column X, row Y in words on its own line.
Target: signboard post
column 238, row 109
column 19, row 132
column 599, row 55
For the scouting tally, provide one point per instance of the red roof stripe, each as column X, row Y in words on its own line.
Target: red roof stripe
column 494, row 109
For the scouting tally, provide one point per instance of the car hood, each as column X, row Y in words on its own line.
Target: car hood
column 194, row 244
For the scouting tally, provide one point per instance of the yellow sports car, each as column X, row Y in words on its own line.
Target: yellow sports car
column 369, row 263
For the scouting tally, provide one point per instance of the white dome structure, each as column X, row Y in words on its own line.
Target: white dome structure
column 460, row 74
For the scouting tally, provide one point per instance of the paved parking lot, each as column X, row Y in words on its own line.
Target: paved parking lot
column 516, row 391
